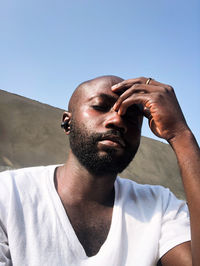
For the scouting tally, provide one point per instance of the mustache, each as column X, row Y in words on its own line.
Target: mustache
column 110, row 134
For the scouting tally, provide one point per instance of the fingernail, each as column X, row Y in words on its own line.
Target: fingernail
column 114, row 86
column 115, row 107
column 120, row 112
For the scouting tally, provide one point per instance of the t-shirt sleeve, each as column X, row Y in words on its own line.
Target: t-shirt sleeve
column 5, row 259
column 175, row 228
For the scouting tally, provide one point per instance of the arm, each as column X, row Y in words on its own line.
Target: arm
column 166, row 120
column 188, row 156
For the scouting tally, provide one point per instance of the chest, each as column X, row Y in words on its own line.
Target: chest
column 91, row 226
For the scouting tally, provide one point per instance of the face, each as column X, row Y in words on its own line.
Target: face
column 103, row 141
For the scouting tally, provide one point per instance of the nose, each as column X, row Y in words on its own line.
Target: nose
column 115, row 121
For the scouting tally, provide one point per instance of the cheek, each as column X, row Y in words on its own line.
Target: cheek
column 87, row 113
column 90, row 118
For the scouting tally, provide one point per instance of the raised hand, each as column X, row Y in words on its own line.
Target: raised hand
column 159, row 104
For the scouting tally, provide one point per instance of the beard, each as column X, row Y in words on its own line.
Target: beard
column 83, row 144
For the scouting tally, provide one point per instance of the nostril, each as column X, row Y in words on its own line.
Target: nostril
column 122, row 130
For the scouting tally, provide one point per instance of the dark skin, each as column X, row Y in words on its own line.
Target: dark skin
column 83, row 193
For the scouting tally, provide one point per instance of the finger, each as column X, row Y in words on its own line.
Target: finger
column 125, row 95
column 136, row 89
column 142, row 80
column 139, row 99
column 126, row 84
column 157, row 83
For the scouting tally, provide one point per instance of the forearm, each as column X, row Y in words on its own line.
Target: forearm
column 188, row 156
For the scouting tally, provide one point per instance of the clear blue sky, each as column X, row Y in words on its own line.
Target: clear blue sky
column 49, row 47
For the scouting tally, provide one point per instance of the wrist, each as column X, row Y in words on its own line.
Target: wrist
column 183, row 138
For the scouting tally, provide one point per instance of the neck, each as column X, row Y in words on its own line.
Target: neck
column 75, row 184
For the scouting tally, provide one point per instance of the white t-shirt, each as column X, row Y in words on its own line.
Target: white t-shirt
column 147, row 221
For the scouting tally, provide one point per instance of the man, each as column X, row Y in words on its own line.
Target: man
column 81, row 213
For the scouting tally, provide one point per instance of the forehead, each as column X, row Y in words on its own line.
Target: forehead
column 99, row 88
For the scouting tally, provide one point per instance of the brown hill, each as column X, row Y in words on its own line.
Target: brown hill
column 30, row 135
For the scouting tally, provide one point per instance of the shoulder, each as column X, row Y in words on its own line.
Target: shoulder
column 147, row 195
column 18, row 187
column 143, row 190
column 22, row 174
column 22, row 179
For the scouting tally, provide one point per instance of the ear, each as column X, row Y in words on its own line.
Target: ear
column 66, row 120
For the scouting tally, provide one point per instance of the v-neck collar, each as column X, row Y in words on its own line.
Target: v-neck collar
column 62, row 216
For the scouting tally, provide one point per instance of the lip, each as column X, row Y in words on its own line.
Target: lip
column 114, row 139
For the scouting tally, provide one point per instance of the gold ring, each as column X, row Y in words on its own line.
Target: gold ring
column 148, row 81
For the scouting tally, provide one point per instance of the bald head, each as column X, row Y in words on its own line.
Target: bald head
column 88, row 86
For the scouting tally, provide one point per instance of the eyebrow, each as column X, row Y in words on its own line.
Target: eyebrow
column 104, row 96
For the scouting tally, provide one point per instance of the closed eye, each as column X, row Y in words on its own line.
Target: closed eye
column 101, row 108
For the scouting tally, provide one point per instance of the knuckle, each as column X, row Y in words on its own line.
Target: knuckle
column 136, row 86
column 169, row 88
column 119, row 100
column 143, row 79
column 124, row 105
